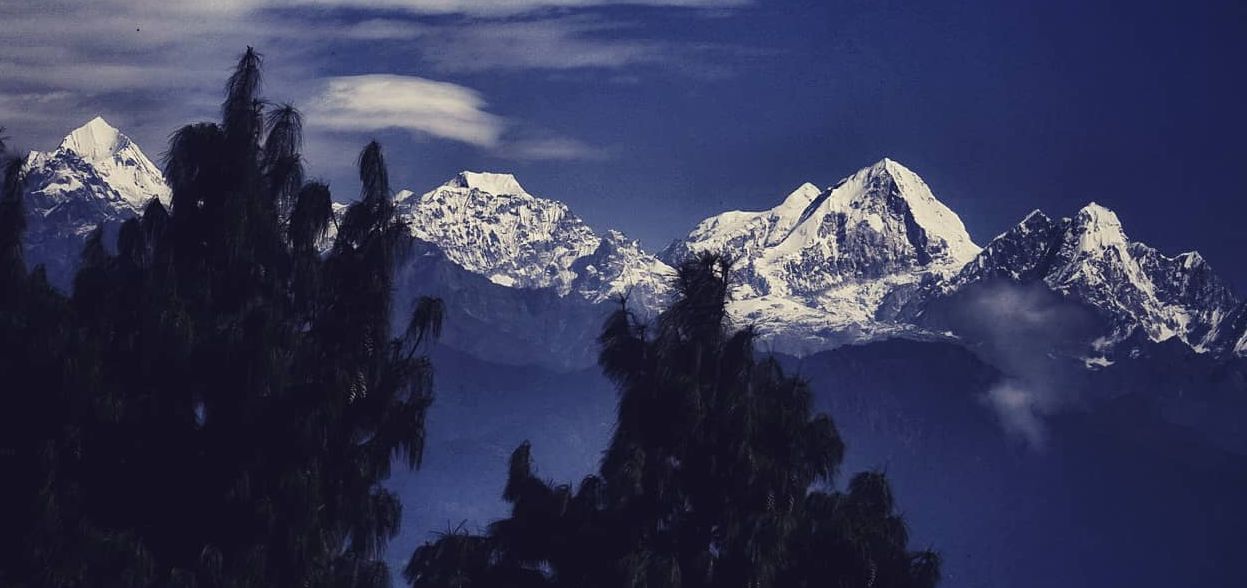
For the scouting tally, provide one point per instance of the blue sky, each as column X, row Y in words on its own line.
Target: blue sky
column 648, row 115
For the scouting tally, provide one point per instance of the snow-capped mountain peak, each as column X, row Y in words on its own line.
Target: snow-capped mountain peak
column 498, row 184
column 95, row 141
column 824, row 263
column 1088, row 258
column 888, row 188
column 1098, row 228
column 97, row 177
column 128, row 175
column 797, row 201
column 880, row 221
column 488, row 224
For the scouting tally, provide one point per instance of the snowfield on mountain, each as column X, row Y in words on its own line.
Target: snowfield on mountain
column 858, row 261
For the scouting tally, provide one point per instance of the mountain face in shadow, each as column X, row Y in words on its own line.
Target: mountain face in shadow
column 482, row 412
column 510, row 326
column 1113, row 478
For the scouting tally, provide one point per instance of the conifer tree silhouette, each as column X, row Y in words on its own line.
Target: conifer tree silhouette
column 717, row 476
column 216, row 404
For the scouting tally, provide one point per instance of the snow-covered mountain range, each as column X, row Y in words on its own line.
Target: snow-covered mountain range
column 860, row 260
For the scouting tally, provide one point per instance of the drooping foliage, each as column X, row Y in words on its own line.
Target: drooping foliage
column 218, row 401
column 719, row 474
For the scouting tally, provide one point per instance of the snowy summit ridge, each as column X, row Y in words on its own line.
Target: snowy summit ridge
column 97, row 177
column 95, row 141
column 127, row 174
column 487, row 182
column 828, row 266
column 488, row 224
column 1088, row 258
column 857, row 261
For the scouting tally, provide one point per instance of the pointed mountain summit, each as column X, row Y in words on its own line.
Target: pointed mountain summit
column 1098, row 228
column 95, row 141
column 1089, row 258
column 97, row 177
column 878, row 222
column 127, row 175
column 826, row 263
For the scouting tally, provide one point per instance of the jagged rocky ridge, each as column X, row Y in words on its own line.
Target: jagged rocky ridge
column 833, row 266
column 861, row 260
column 488, row 224
column 1088, row 258
column 865, row 258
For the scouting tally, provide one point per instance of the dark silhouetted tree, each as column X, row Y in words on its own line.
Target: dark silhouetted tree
column 218, row 402
column 718, row 475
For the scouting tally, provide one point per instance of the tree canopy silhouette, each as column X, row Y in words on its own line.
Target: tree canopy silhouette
column 217, row 402
column 718, row 475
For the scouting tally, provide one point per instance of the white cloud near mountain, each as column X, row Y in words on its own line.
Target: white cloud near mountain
column 153, row 65
column 429, row 108
column 382, row 101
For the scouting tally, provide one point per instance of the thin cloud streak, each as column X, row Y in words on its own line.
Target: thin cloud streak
column 154, row 65
column 553, row 43
column 495, row 8
column 141, row 62
column 562, row 43
column 552, row 148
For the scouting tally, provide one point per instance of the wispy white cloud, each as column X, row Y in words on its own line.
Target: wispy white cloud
column 382, row 101
column 140, row 61
column 555, row 43
column 429, row 108
column 552, row 148
column 380, row 29
column 152, row 65
column 1016, row 328
column 573, row 42
column 511, row 7
column 1022, row 408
